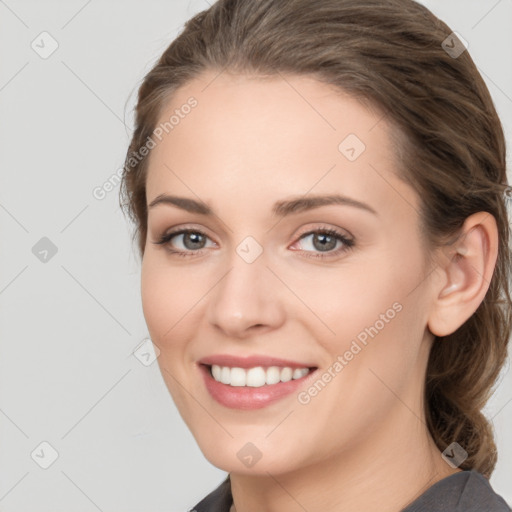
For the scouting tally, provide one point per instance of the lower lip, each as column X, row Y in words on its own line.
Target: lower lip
column 247, row 397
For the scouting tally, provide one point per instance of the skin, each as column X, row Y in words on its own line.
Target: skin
column 362, row 442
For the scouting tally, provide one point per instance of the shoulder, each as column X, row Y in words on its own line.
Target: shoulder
column 219, row 500
column 479, row 495
column 465, row 491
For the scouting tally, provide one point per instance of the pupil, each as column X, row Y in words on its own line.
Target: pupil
column 322, row 245
column 196, row 239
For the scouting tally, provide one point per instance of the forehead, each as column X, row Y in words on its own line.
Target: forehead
column 271, row 136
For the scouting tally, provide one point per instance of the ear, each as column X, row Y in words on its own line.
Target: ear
column 466, row 270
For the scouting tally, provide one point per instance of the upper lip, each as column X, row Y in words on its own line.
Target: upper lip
column 251, row 361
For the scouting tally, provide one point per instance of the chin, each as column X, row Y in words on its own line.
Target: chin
column 246, row 457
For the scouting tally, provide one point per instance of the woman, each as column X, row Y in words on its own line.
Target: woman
column 318, row 190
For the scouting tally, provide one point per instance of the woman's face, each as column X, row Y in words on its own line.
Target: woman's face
column 255, row 280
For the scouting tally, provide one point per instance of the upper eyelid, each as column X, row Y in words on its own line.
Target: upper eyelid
column 340, row 232
column 348, row 242
column 324, row 225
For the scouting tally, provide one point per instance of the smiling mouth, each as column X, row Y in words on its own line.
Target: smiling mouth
column 257, row 376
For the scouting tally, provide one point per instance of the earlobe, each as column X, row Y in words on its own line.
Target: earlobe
column 466, row 270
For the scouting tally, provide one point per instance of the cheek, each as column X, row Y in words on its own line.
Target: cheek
column 369, row 302
column 164, row 294
column 165, row 298
column 347, row 299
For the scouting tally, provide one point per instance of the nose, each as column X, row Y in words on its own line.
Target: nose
column 247, row 299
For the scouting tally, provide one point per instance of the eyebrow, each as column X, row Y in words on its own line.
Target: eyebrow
column 280, row 208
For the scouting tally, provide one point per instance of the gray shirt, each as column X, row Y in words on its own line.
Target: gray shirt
column 465, row 491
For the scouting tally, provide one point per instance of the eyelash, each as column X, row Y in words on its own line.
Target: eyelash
column 347, row 242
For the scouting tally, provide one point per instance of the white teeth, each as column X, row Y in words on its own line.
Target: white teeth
column 238, row 377
column 257, row 376
column 273, row 375
column 298, row 373
column 225, row 376
column 286, row 374
column 216, row 372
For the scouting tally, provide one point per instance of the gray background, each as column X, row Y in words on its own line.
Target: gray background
column 69, row 325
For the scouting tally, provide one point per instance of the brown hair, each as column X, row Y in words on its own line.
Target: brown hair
column 451, row 150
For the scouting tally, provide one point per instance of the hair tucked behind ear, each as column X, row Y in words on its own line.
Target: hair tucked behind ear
column 450, row 148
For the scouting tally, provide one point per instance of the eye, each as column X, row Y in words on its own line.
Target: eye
column 192, row 241
column 325, row 240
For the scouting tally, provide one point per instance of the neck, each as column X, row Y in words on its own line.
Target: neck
column 385, row 473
